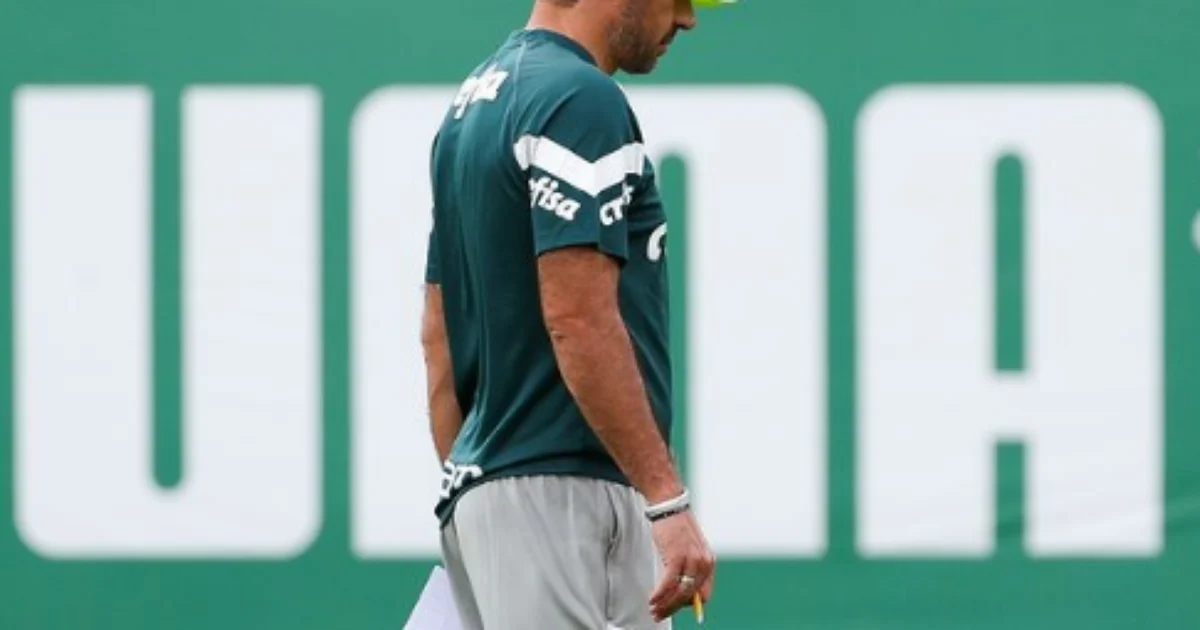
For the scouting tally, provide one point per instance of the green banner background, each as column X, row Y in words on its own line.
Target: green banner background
column 840, row 52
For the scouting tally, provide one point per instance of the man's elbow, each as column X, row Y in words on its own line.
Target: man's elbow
column 579, row 326
column 431, row 336
column 565, row 327
column 433, row 329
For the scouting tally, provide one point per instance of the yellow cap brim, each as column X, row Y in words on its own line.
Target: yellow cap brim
column 713, row 3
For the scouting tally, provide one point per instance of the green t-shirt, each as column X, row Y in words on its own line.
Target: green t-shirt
column 539, row 150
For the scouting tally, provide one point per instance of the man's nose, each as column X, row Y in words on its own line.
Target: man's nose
column 685, row 17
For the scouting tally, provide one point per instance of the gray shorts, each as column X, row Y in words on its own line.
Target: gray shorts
column 551, row 553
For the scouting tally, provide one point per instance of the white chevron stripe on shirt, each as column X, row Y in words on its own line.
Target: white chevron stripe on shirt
column 588, row 177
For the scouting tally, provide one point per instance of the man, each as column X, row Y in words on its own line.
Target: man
column 546, row 321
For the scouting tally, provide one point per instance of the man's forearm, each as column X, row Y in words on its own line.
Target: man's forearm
column 445, row 418
column 597, row 362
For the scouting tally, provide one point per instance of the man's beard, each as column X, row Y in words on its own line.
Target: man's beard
column 634, row 50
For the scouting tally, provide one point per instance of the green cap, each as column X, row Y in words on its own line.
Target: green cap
column 713, row 3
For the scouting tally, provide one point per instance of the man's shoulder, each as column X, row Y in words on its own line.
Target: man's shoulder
column 584, row 83
column 579, row 97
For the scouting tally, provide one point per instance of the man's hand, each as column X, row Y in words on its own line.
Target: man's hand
column 685, row 554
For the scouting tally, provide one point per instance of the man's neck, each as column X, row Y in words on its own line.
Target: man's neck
column 579, row 24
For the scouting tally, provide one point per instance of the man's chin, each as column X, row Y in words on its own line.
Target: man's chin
column 641, row 66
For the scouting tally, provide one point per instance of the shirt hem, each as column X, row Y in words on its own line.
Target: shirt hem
column 573, row 467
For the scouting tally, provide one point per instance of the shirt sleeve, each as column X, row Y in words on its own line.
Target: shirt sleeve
column 432, row 273
column 583, row 165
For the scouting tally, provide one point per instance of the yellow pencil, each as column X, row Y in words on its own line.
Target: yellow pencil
column 698, row 606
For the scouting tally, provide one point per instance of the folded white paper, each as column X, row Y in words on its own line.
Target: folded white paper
column 435, row 609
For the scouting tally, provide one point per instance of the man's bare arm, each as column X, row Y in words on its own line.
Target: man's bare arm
column 595, row 356
column 444, row 415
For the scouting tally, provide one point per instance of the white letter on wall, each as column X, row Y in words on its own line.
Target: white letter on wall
column 1088, row 405
column 251, row 426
